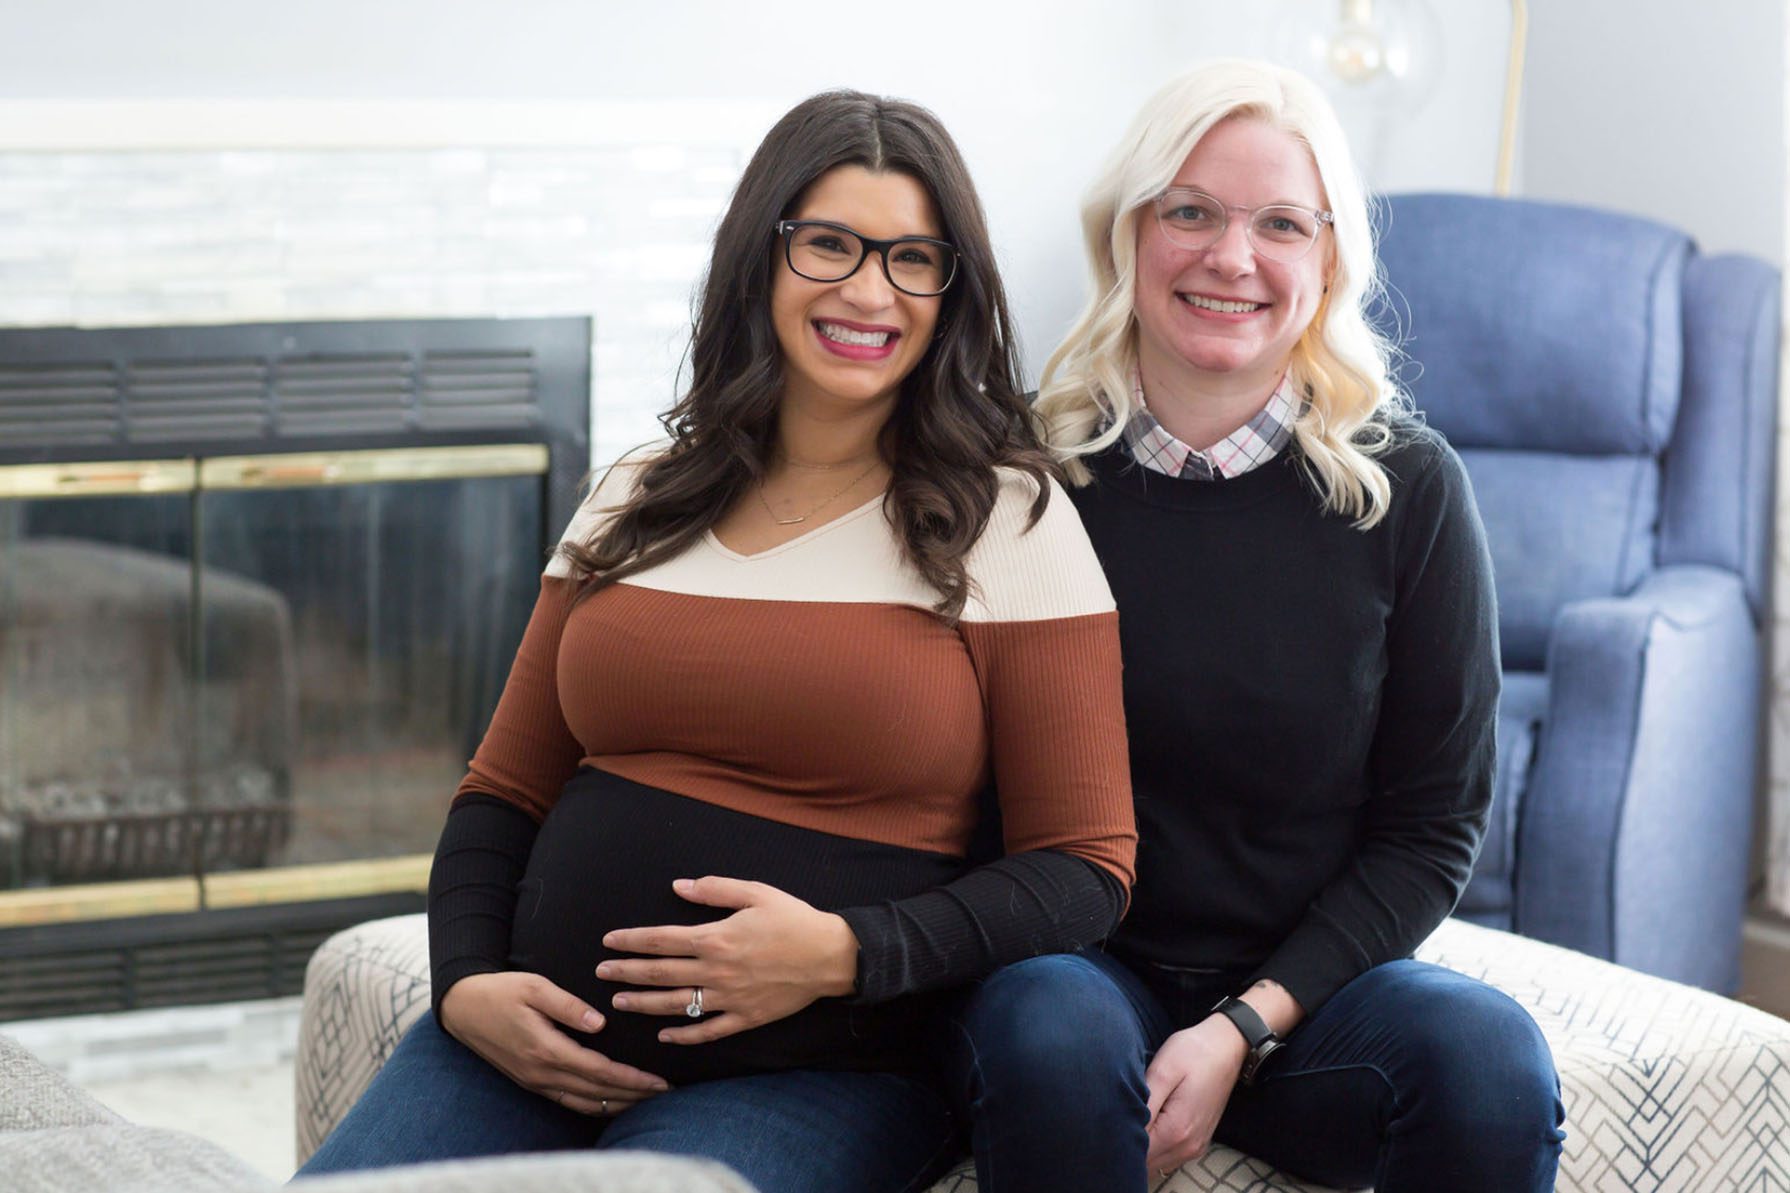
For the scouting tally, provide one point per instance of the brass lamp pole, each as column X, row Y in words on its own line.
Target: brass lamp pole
column 1513, row 94
column 1356, row 53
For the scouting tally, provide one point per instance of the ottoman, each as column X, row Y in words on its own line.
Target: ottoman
column 1666, row 1087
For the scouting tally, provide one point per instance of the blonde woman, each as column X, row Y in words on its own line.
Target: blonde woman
column 1311, row 682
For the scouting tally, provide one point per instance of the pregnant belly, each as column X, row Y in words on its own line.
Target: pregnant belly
column 605, row 858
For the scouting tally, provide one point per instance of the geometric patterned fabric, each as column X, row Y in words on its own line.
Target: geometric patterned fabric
column 1666, row 1087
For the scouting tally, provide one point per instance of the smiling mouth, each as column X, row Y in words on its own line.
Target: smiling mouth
column 840, row 334
column 1222, row 306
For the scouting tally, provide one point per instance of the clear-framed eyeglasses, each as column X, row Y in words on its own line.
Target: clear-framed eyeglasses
column 826, row 252
column 1280, row 231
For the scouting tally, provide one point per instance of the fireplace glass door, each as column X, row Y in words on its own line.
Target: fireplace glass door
column 360, row 614
column 218, row 667
column 97, row 762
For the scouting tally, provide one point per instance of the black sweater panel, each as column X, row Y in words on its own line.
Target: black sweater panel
column 1311, row 710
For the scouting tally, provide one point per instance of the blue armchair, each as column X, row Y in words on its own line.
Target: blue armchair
column 1612, row 392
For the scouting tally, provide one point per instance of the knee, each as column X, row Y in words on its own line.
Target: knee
column 1051, row 1023
column 1481, row 1062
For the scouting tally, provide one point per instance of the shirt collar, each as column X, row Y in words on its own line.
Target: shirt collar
column 1250, row 446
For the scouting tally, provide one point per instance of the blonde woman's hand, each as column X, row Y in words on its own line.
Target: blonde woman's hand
column 510, row 1020
column 773, row 956
column 1190, row 1080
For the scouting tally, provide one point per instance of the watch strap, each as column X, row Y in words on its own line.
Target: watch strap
column 1261, row 1039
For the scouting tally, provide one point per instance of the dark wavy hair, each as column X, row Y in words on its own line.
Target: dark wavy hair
column 960, row 413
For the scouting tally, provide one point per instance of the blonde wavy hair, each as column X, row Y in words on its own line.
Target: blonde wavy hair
column 1341, row 364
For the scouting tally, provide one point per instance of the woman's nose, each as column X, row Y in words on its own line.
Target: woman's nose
column 868, row 289
column 1232, row 254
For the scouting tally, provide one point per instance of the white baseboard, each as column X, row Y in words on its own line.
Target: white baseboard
column 1765, row 964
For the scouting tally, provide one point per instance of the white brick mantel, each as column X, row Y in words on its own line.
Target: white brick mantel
column 117, row 212
column 205, row 124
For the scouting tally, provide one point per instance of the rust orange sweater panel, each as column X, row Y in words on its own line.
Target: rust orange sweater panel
column 811, row 685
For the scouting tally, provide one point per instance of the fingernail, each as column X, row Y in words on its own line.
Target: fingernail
column 620, row 1002
column 661, row 1086
column 664, row 1037
column 684, row 886
column 592, row 1021
column 608, row 940
column 605, row 970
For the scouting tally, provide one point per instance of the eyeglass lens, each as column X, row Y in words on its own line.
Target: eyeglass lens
column 1194, row 220
column 825, row 254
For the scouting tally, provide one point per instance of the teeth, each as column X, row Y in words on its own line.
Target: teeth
column 1213, row 304
column 845, row 335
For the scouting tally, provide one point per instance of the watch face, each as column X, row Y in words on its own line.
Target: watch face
column 1260, row 1053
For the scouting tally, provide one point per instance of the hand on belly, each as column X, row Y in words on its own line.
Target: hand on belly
column 771, row 958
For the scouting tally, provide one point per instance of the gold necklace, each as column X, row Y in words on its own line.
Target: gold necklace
column 766, row 501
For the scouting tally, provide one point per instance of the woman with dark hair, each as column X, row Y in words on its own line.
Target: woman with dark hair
column 733, row 774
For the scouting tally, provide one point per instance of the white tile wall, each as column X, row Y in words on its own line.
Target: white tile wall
column 144, row 237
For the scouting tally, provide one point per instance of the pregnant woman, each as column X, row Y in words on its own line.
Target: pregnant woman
column 731, row 781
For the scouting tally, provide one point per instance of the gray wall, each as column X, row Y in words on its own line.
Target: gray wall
column 1670, row 110
column 1035, row 94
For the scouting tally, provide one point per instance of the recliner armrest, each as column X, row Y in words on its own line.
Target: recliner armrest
column 1634, row 833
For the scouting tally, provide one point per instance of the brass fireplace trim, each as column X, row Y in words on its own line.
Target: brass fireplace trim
column 245, row 888
column 97, row 901
column 328, row 880
column 290, row 470
column 284, row 470
column 112, row 478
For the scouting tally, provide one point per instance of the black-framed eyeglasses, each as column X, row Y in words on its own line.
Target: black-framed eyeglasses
column 1280, row 231
column 822, row 251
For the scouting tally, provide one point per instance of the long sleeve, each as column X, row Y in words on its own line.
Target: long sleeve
column 526, row 756
column 1044, row 640
column 479, row 861
column 1431, row 764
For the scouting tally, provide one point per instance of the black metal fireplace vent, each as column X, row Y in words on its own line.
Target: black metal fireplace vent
column 131, row 393
column 174, row 960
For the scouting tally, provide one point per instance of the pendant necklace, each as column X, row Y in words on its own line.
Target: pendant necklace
column 766, row 501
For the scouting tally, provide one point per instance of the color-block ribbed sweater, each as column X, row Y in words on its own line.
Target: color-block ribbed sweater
column 801, row 717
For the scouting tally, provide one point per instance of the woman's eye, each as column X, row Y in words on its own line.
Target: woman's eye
column 1286, row 228
column 827, row 244
column 913, row 255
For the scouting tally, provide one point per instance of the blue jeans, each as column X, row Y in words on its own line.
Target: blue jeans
column 1412, row 1077
column 797, row 1132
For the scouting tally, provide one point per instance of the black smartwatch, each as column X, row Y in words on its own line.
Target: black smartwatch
column 1261, row 1039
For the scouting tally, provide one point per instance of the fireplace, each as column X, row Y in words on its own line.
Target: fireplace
column 259, row 589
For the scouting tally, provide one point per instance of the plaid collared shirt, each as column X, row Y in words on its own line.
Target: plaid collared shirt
column 1248, row 447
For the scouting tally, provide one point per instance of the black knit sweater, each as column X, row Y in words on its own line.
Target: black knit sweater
column 1310, row 709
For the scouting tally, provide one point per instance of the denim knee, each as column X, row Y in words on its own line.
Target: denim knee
column 1482, row 1064
column 1053, row 1026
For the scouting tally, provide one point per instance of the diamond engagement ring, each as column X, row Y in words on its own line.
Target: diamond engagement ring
column 694, row 1009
